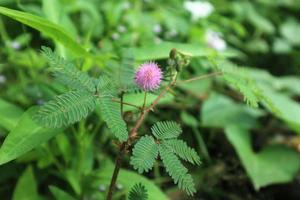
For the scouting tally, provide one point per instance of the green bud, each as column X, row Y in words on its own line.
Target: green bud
column 173, row 53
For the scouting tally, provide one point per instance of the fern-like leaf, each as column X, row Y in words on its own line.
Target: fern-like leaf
column 239, row 80
column 111, row 113
column 166, row 130
column 67, row 73
column 144, row 154
column 245, row 86
column 66, row 109
column 181, row 149
column 176, row 170
column 138, row 192
column 127, row 71
column 105, row 86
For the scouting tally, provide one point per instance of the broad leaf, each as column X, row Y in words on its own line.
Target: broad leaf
column 162, row 50
column 25, row 136
column 46, row 27
column 26, row 188
column 288, row 109
column 274, row 164
column 59, row 194
column 9, row 114
column 219, row 111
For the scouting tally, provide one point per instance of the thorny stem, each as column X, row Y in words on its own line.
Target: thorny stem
column 133, row 132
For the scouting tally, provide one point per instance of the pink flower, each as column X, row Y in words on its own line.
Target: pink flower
column 148, row 76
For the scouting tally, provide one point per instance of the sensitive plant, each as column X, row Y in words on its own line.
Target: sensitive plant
column 276, row 94
column 86, row 92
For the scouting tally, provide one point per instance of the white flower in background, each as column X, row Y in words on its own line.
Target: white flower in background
column 102, row 188
column 121, row 28
column 198, row 9
column 119, row 186
column 2, row 79
column 115, row 36
column 215, row 41
column 15, row 45
column 157, row 28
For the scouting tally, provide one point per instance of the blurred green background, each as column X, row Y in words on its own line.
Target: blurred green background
column 247, row 153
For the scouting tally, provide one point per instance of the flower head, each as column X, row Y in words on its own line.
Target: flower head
column 148, row 76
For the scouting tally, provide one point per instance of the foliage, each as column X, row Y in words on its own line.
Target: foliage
column 273, row 164
column 66, row 109
column 146, row 150
column 144, row 154
column 52, row 30
column 138, row 192
column 67, row 73
column 63, row 127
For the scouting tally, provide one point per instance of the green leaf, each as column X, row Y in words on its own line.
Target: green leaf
column 181, row 149
column 239, row 79
column 127, row 70
column 189, row 119
column 46, row 27
column 287, row 109
column 162, row 50
column 219, row 111
column 106, row 86
column 111, row 113
column 166, row 130
column 289, row 30
column 242, row 82
column 73, row 178
column 273, row 164
column 9, row 114
column 127, row 179
column 26, row 188
column 66, row 109
column 138, row 192
column 25, row 136
column 67, row 73
column 176, row 170
column 144, row 153
column 280, row 90
column 59, row 194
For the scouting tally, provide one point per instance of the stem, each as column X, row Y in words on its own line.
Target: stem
column 122, row 103
column 132, row 135
column 201, row 77
column 144, row 113
column 116, row 171
column 125, row 103
column 145, row 99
